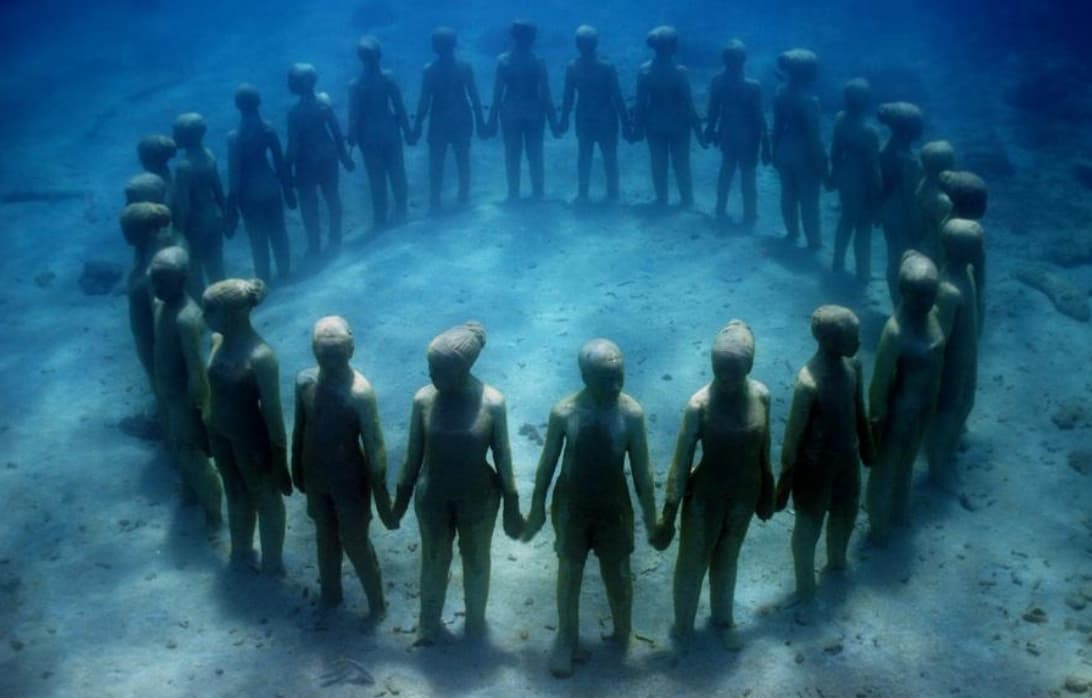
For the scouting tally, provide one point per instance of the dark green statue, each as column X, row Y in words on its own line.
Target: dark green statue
column 147, row 229
column 969, row 197
column 855, row 174
column 899, row 210
column 197, row 201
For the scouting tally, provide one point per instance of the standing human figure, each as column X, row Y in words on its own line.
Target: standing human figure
column 523, row 105
column 797, row 145
column 855, row 173
column 377, row 124
column 591, row 85
column 936, row 158
column 155, row 152
column 970, row 197
column 450, row 102
column 665, row 115
column 736, row 123
column 255, row 189
column 315, row 146
column 197, row 201
column 146, row 228
column 901, row 168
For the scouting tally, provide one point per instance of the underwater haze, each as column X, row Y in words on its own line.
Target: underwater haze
column 110, row 585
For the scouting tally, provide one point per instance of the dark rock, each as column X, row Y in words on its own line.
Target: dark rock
column 1081, row 460
column 99, row 277
column 1066, row 296
column 1069, row 415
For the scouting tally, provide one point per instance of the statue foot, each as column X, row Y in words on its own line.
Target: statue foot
column 730, row 638
column 246, row 561
column 476, row 629
column 619, row 638
column 561, row 659
column 274, row 569
column 429, row 637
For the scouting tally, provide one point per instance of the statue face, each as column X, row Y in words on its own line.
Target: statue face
column 846, row 341
column 333, row 352
column 447, row 375
column 166, row 285
column 731, row 368
column 605, row 379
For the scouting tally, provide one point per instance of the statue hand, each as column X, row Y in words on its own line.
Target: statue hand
column 782, row 496
column 535, row 520
column 514, row 523
column 766, row 157
column 282, row 480
column 290, row 200
column 662, row 534
column 348, row 164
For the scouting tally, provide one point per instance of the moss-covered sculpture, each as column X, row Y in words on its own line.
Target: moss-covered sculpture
column 340, row 462
column 826, row 432
column 246, row 428
column 970, row 197
column 255, row 189
column 181, row 384
column 146, row 188
column 797, row 145
column 377, row 125
column 736, row 123
column 664, row 115
column 455, row 421
column 900, row 213
column 197, row 201
column 902, row 395
column 730, row 419
column 855, row 174
column 523, row 106
column 936, row 157
column 598, row 428
column 146, row 228
column 313, row 150
column 155, row 152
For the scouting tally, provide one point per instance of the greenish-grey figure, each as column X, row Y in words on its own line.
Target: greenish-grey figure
column 155, row 152
column 255, row 189
column 340, row 462
column 900, row 213
column 969, row 197
column 523, row 106
column 455, row 421
column 246, row 428
column 450, row 101
column 314, row 148
column 957, row 311
column 903, row 392
column 378, row 123
column 146, row 188
column 664, row 115
column 146, row 227
column 936, row 157
column 730, row 419
column 592, row 87
column 737, row 124
column 197, row 200
column 855, row 174
column 182, row 388
column 598, row 428
column 827, row 432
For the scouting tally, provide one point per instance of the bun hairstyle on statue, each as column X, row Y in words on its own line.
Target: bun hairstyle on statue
column 458, row 345
column 234, row 294
column 735, row 340
column 146, row 188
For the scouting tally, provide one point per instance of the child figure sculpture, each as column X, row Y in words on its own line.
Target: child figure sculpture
column 969, row 198
column 730, row 419
column 826, row 432
column 155, row 152
column 899, row 209
column 855, row 173
column 146, row 227
column 336, row 414
column 598, row 428
column 936, row 157
column 197, row 201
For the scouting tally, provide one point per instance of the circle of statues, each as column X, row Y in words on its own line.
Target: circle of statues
column 458, row 467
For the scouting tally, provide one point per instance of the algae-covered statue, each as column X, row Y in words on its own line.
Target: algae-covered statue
column 826, row 433
column 664, row 115
column 598, row 428
column 855, row 173
column 255, row 189
column 314, row 148
column 730, row 419
column 455, row 421
column 146, row 227
column 181, row 383
column 340, row 462
column 155, row 152
column 903, row 392
column 591, row 85
column 197, row 201
column 969, row 197
column 146, row 188
column 246, row 428
column 900, row 213
column 936, row 158
column 377, row 124
column 737, row 124
column 957, row 312
column 449, row 100
column 522, row 103
column 797, row 146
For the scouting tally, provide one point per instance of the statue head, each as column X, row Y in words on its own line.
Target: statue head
column 302, row 78
column 141, row 221
column 918, row 282
column 523, row 33
column 905, row 120
column 967, row 192
column 734, row 55
column 146, row 187
column 587, row 39
column 369, row 50
column 229, row 301
column 798, row 66
column 936, row 157
column 155, row 151
column 857, row 94
column 452, row 353
column 602, row 369
column 167, row 273
column 443, row 40
column 962, row 240
column 332, row 342
column 733, row 353
column 836, row 329
column 247, row 98
column 664, row 40
column 189, row 130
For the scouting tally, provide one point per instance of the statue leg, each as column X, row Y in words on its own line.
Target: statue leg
column 436, row 152
column 331, row 193
column 894, row 257
column 790, row 203
column 847, row 221
column 396, row 167
column 535, row 135
column 904, row 475
column 320, row 507
column 618, row 581
column 475, row 540
column 862, row 248
column 657, row 152
column 307, row 195
column 186, row 434
column 941, row 442
column 213, row 256
column 437, row 534
column 353, row 522
column 142, row 325
column 513, row 155
column 608, row 147
column 697, row 535
column 724, row 182
column 570, row 574
column 805, row 536
column 810, row 185
column 748, row 184
column 722, row 565
column 271, row 519
column 878, row 493
column 680, row 160
column 278, row 238
column 257, row 235
column 584, row 148
column 242, row 515
column 844, row 502
column 377, row 185
column 462, row 168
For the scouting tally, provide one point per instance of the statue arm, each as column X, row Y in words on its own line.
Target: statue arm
column 679, row 474
column 712, row 110
column 375, row 454
column 544, row 475
column 883, row 377
column 502, row 459
column 692, row 110
column 498, row 95
column 764, row 507
column 231, row 208
column 353, row 125
column 267, row 375
column 299, row 427
column 864, row 435
column 339, row 140
column 472, row 93
column 411, row 467
column 280, row 167
column 545, row 96
column 399, row 107
column 803, row 397
column 424, row 102
column 640, row 107
column 641, row 466
column 618, row 100
column 180, row 198
column 568, row 95
column 197, row 379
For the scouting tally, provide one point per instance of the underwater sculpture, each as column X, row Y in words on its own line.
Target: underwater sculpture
column 591, row 84
column 664, row 115
column 255, row 189
column 522, row 103
column 827, row 431
column 377, row 124
column 455, row 421
column 146, row 228
column 181, row 384
column 855, row 174
column 957, row 312
column 449, row 100
column 314, row 148
column 598, row 427
column 155, row 152
column 736, row 123
column 245, row 425
column 902, row 394
column 730, row 419
column 197, row 201
column 969, row 197
column 337, row 415
column 797, row 146
column 146, row 188
column 936, row 157
column 900, row 212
